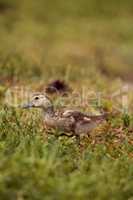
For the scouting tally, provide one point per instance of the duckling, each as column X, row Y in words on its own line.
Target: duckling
column 68, row 121
column 58, row 87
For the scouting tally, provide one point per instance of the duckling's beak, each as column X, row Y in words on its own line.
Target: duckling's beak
column 28, row 105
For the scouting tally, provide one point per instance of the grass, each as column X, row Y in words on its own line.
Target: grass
column 89, row 45
column 32, row 168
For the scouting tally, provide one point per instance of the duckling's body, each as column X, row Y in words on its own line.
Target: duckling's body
column 69, row 121
column 55, row 120
column 72, row 121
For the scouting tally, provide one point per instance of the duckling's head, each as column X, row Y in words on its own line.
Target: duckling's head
column 39, row 101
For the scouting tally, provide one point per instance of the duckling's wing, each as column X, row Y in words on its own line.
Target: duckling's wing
column 77, row 115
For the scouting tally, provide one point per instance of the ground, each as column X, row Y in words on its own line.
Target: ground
column 89, row 45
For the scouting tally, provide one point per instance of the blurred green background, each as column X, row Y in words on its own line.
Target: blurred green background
column 89, row 44
column 38, row 37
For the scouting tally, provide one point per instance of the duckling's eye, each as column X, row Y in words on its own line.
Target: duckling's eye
column 36, row 98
